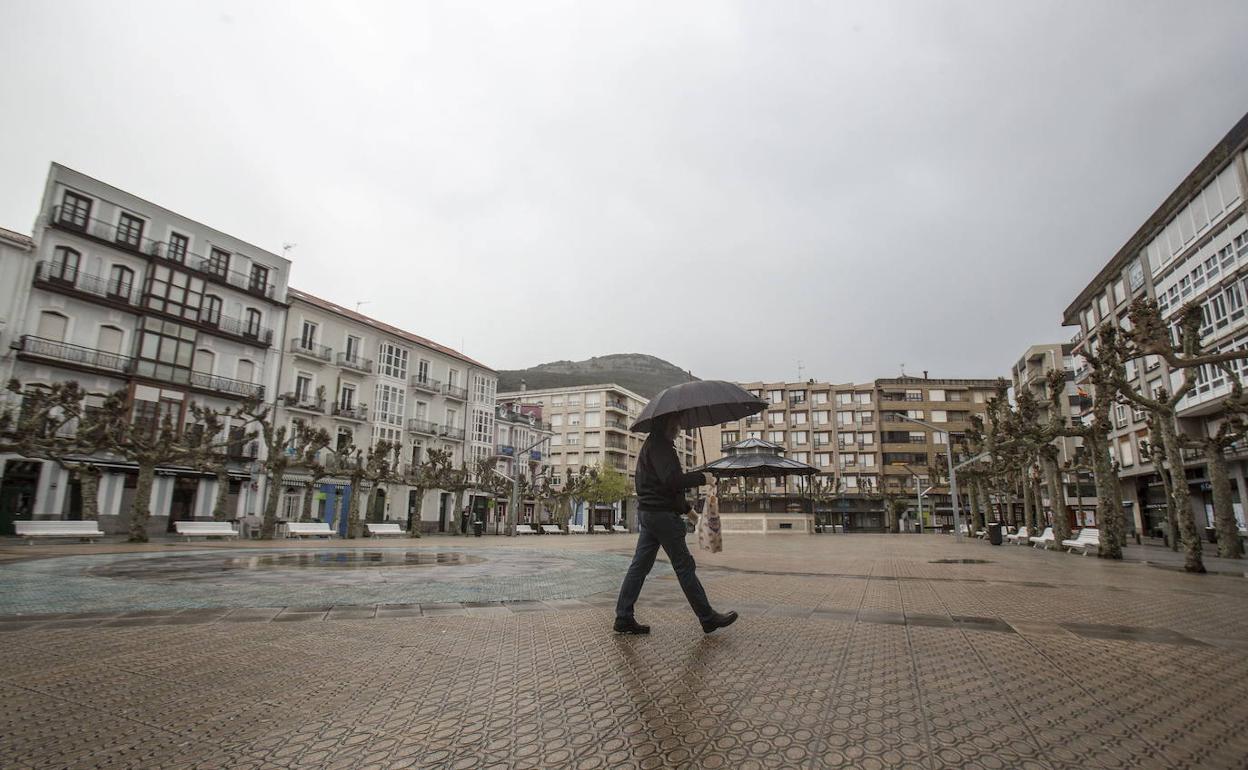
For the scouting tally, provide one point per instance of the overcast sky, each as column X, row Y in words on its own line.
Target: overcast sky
column 734, row 187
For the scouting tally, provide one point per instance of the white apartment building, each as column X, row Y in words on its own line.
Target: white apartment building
column 590, row 427
column 366, row 381
column 1192, row 248
column 522, row 447
column 121, row 294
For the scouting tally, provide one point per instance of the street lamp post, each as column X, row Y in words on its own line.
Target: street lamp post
column 953, row 479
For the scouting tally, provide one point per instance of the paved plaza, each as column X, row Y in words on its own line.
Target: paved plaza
column 852, row 651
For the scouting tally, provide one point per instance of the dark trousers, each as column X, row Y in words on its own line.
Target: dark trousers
column 667, row 529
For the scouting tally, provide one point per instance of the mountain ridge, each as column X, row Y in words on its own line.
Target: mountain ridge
column 641, row 373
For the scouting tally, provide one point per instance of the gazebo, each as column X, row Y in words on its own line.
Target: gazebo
column 756, row 459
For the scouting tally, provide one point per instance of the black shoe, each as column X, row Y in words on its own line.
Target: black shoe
column 630, row 626
column 719, row 620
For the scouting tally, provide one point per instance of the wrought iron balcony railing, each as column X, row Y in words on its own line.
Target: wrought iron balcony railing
column 62, row 276
column 304, row 347
column 76, row 354
column 355, row 362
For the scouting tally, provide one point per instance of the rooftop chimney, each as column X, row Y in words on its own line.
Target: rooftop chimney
column 925, row 374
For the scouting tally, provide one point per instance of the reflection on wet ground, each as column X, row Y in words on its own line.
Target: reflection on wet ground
column 209, row 566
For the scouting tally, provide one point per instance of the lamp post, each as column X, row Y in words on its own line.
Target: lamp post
column 953, row 479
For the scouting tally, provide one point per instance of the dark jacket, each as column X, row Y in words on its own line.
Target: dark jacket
column 660, row 483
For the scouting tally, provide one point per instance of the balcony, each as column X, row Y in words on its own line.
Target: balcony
column 69, row 280
column 455, row 392
column 618, row 406
column 237, row 328
column 417, row 425
column 215, row 384
column 307, row 402
column 207, row 267
column 421, row 382
column 74, row 355
column 617, row 425
column 454, row 434
column 356, row 412
column 104, row 232
column 351, row 361
column 506, row 450
column 311, row 350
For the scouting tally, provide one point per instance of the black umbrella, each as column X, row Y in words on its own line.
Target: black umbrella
column 704, row 402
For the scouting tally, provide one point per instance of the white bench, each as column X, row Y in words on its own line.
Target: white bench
column 1043, row 540
column 88, row 530
column 619, row 528
column 551, row 529
column 303, row 529
column 577, row 529
column 1020, row 537
column 525, row 529
column 377, row 529
column 597, row 528
column 189, row 529
column 1089, row 537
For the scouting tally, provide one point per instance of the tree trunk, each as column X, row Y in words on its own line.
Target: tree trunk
column 1029, row 503
column 309, row 493
column 1172, row 518
column 972, row 496
column 413, row 527
column 268, row 525
column 1108, row 498
column 1037, row 523
column 89, row 477
column 1223, row 507
column 219, row 512
column 1192, row 561
column 1057, row 498
column 353, row 510
column 985, row 499
column 457, row 516
column 142, row 510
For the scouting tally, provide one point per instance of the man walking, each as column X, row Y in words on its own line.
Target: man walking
column 661, row 486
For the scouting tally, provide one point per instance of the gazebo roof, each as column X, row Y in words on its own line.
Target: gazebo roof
column 755, row 457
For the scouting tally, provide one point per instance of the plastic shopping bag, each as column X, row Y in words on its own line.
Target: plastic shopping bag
column 709, row 536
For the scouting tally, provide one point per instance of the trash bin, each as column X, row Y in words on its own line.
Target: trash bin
column 994, row 533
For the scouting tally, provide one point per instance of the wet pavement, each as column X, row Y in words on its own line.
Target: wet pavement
column 852, row 651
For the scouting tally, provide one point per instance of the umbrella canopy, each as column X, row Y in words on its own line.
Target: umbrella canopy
column 704, row 402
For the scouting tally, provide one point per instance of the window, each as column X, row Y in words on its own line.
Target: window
column 109, row 339
column 246, row 371
column 799, row 437
column 1135, row 275
column 353, row 348
column 776, row 437
column 174, row 292
column 775, row 418
column 210, row 310
column 483, row 425
column 844, row 399
column 936, row 395
column 307, row 335
column 556, row 421
column 346, row 396
column 218, row 262
column 1127, row 457
column 389, row 404
column 484, row 388
column 573, row 438
column 867, row 461
column 821, row 418
column 823, row 439
column 452, row 418
column 344, row 440
column 574, row 418
column 939, row 415
column 844, row 418
column 64, row 265
column 129, row 230
column 593, row 440
column 823, row 459
column 799, row 418
column 259, row 279
column 1120, row 415
column 205, row 362
column 120, row 282
column 178, row 246
column 593, row 419
column 422, row 410
column 75, row 210
column 154, row 407
column 166, row 350
column 593, row 400
column 866, row 418
column 821, row 398
column 303, row 387
column 845, row 439
column 866, row 438
column 776, row 396
column 252, row 321
column 392, row 361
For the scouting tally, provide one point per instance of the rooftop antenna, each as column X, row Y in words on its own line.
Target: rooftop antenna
column 903, row 369
column 799, row 371
column 361, row 303
column 286, row 247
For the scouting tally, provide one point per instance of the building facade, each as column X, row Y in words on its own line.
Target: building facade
column 1031, row 373
column 366, row 381
column 862, row 439
column 120, row 294
column 589, row 427
column 1192, row 248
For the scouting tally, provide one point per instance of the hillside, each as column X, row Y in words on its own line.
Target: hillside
column 642, row 374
